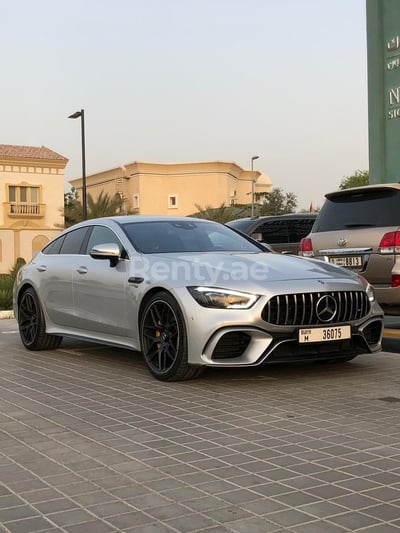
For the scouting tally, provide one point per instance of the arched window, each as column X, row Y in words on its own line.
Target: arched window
column 38, row 242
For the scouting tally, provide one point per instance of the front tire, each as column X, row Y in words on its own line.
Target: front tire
column 32, row 325
column 164, row 340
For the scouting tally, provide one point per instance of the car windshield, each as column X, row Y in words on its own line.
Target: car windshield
column 359, row 210
column 167, row 236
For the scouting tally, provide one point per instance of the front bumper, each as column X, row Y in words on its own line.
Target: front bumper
column 234, row 338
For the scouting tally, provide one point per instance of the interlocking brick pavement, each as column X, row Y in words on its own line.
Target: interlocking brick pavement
column 90, row 442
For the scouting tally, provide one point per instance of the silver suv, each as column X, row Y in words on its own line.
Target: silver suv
column 359, row 229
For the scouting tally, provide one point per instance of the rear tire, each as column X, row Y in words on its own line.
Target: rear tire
column 164, row 340
column 32, row 325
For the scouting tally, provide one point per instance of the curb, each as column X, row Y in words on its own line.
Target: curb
column 6, row 314
column 394, row 333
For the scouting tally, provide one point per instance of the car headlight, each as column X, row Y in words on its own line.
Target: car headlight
column 222, row 298
column 368, row 288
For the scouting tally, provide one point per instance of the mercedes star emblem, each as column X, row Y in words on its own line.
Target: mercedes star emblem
column 326, row 308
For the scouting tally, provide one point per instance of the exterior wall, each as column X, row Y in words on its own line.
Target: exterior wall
column 26, row 226
column 6, row 250
column 383, row 39
column 148, row 188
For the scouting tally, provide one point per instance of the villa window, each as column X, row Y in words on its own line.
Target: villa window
column 172, row 201
column 24, row 200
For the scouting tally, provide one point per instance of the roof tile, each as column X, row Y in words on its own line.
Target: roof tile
column 29, row 152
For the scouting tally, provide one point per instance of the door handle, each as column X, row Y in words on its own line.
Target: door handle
column 82, row 270
column 41, row 268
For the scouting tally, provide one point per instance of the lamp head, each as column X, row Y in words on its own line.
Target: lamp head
column 77, row 114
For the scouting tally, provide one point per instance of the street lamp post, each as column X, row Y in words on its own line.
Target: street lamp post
column 81, row 114
column 252, row 183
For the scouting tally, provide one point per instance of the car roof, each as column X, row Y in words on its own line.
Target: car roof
column 127, row 219
column 287, row 216
column 364, row 188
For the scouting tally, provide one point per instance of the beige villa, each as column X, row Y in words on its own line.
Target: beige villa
column 176, row 188
column 31, row 200
column 32, row 193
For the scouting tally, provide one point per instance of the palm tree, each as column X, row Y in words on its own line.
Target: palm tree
column 104, row 205
column 223, row 213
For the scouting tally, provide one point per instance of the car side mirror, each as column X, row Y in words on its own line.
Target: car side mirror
column 108, row 251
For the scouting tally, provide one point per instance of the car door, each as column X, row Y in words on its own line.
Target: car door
column 55, row 265
column 100, row 291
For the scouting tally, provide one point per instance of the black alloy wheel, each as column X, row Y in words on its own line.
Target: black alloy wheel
column 32, row 326
column 164, row 339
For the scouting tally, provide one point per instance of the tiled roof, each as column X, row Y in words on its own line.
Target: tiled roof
column 29, row 152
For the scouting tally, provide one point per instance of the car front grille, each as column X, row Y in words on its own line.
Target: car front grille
column 303, row 309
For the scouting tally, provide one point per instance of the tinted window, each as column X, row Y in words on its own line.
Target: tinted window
column 54, row 247
column 102, row 235
column 241, row 224
column 274, row 231
column 363, row 209
column 182, row 236
column 299, row 228
column 73, row 241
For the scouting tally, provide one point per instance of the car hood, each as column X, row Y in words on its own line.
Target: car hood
column 240, row 269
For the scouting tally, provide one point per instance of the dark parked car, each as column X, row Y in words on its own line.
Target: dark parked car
column 282, row 232
column 359, row 229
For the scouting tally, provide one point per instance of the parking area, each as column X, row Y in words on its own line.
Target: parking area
column 90, row 442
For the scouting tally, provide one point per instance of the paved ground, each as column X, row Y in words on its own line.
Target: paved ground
column 90, row 442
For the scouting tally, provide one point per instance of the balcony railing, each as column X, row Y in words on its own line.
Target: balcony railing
column 25, row 210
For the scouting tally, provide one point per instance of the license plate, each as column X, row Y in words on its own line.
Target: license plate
column 326, row 334
column 351, row 261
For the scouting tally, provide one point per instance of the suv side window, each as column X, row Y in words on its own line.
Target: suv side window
column 274, row 231
column 299, row 228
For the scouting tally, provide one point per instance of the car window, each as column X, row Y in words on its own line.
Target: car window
column 273, row 231
column 102, row 235
column 182, row 236
column 242, row 224
column 360, row 209
column 299, row 228
column 54, row 246
column 73, row 240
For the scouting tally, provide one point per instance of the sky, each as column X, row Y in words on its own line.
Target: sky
column 191, row 80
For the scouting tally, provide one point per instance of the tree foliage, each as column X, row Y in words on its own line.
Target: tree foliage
column 223, row 213
column 278, row 202
column 275, row 202
column 358, row 179
column 103, row 206
column 7, row 284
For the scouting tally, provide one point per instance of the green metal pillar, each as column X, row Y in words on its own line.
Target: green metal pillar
column 383, row 40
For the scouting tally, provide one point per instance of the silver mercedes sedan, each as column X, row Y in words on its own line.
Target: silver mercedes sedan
column 189, row 294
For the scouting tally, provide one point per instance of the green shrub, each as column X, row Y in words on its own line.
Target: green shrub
column 7, row 284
